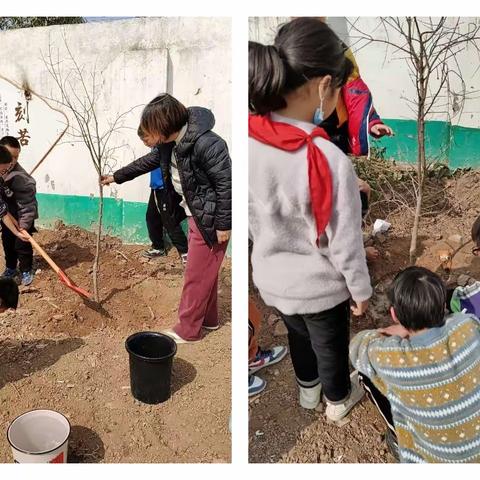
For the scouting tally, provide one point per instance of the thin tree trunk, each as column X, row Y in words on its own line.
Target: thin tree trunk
column 421, row 165
column 416, row 223
column 97, row 247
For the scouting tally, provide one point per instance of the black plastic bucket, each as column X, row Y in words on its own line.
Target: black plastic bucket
column 151, row 357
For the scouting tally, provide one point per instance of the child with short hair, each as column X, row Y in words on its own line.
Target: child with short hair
column 18, row 192
column 423, row 372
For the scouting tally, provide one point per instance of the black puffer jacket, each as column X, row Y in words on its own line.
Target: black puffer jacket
column 160, row 155
column 205, row 172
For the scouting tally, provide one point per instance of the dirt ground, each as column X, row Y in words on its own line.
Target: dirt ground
column 61, row 353
column 280, row 430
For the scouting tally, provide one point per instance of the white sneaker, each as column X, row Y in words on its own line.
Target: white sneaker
column 178, row 339
column 310, row 397
column 337, row 411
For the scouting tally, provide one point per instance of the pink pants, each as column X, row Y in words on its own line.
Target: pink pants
column 198, row 305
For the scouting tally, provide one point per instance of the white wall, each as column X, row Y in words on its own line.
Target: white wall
column 137, row 59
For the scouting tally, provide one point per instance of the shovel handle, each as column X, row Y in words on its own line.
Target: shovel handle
column 43, row 253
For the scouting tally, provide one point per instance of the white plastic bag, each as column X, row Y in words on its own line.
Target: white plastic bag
column 380, row 226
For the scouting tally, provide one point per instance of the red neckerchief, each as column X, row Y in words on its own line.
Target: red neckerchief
column 290, row 138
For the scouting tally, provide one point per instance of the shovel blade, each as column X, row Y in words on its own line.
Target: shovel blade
column 72, row 286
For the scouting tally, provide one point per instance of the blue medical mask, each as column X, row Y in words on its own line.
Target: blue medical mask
column 319, row 116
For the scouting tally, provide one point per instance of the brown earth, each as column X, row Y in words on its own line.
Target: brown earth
column 282, row 431
column 60, row 352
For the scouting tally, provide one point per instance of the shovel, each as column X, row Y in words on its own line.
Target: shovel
column 62, row 275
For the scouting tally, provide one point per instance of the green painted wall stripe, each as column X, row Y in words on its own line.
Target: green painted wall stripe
column 450, row 144
column 121, row 219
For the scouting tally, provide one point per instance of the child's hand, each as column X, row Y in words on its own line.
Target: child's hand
column 106, row 179
column 394, row 330
column 379, row 130
column 359, row 308
column 223, row 236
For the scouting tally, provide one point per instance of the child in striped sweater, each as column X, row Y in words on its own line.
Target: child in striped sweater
column 423, row 372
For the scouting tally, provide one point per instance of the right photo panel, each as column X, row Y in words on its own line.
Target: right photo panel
column 364, row 238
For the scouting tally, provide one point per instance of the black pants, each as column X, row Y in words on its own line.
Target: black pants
column 319, row 350
column 379, row 400
column 365, row 206
column 156, row 223
column 17, row 251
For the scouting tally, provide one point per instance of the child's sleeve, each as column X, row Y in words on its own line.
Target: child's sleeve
column 25, row 197
column 363, row 355
column 344, row 232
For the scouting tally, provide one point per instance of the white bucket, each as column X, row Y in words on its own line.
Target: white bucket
column 39, row 436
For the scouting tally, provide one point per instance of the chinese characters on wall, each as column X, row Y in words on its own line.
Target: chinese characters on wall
column 4, row 124
column 22, row 120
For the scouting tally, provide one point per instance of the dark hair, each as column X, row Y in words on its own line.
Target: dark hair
column 418, row 296
column 8, row 293
column 10, row 142
column 304, row 48
column 164, row 115
column 476, row 232
column 5, row 155
column 140, row 132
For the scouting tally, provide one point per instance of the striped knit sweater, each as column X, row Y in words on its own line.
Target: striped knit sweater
column 432, row 381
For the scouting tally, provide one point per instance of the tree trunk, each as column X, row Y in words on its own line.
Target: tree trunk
column 416, row 223
column 421, row 167
column 97, row 247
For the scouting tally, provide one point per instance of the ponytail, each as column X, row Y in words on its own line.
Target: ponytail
column 266, row 78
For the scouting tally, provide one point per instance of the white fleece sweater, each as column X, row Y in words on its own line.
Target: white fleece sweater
column 290, row 271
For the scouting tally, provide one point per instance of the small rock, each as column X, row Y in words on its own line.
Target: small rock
column 456, row 239
column 70, row 385
column 463, row 280
column 280, row 330
column 276, row 372
column 58, row 317
column 438, row 236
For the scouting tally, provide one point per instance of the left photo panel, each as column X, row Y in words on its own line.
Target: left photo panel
column 115, row 206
